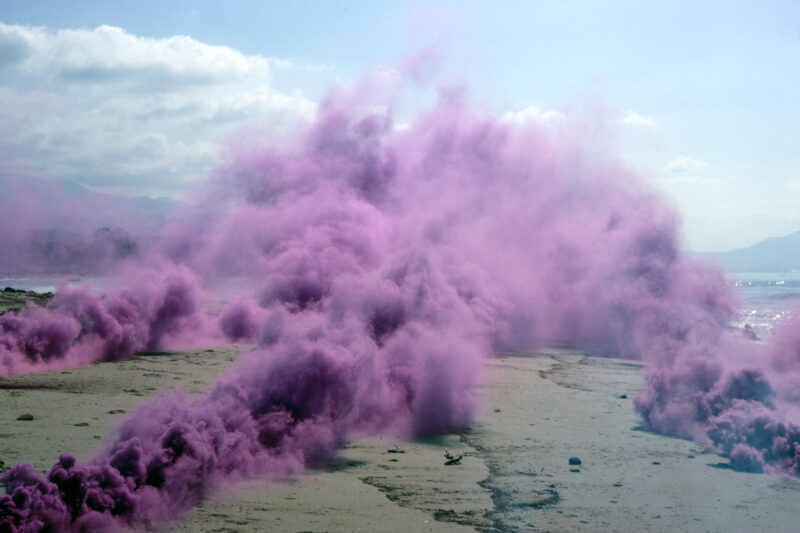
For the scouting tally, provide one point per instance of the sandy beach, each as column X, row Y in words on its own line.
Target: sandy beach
column 536, row 412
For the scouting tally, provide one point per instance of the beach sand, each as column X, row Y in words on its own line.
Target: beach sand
column 535, row 412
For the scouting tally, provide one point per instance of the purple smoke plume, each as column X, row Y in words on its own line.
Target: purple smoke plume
column 387, row 263
column 740, row 398
column 78, row 327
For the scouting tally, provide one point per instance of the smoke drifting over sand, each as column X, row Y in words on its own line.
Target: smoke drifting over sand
column 386, row 264
column 79, row 327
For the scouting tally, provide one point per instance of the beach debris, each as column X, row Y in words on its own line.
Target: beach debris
column 749, row 333
column 395, row 449
column 574, row 460
column 452, row 459
column 25, row 417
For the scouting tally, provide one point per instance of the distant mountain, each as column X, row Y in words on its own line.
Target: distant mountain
column 147, row 213
column 30, row 203
column 778, row 254
column 55, row 227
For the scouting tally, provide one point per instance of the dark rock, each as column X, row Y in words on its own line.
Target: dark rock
column 574, row 461
column 623, row 396
column 26, row 417
column 749, row 333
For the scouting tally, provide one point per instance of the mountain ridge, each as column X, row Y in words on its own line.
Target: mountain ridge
column 775, row 254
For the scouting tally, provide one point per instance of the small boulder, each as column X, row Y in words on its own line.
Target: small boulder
column 25, row 417
column 574, row 461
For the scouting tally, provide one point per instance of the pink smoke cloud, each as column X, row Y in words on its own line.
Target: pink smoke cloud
column 159, row 307
column 376, row 269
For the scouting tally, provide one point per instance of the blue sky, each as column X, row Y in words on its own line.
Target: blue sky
column 703, row 97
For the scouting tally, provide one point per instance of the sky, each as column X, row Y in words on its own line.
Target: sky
column 701, row 98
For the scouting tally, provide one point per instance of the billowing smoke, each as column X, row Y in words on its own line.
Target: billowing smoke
column 374, row 267
column 78, row 327
column 738, row 397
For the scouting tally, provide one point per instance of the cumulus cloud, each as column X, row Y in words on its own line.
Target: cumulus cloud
column 128, row 113
column 16, row 43
column 684, row 164
column 533, row 114
column 634, row 119
column 108, row 53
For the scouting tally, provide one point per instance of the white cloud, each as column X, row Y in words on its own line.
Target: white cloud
column 533, row 114
column 634, row 119
column 107, row 53
column 683, row 165
column 16, row 43
column 124, row 112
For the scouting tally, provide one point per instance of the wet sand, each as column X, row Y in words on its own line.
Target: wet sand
column 535, row 412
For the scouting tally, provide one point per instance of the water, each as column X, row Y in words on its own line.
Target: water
column 767, row 299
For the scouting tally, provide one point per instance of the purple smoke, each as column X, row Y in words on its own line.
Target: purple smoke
column 64, row 228
column 386, row 263
column 158, row 308
column 741, row 399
